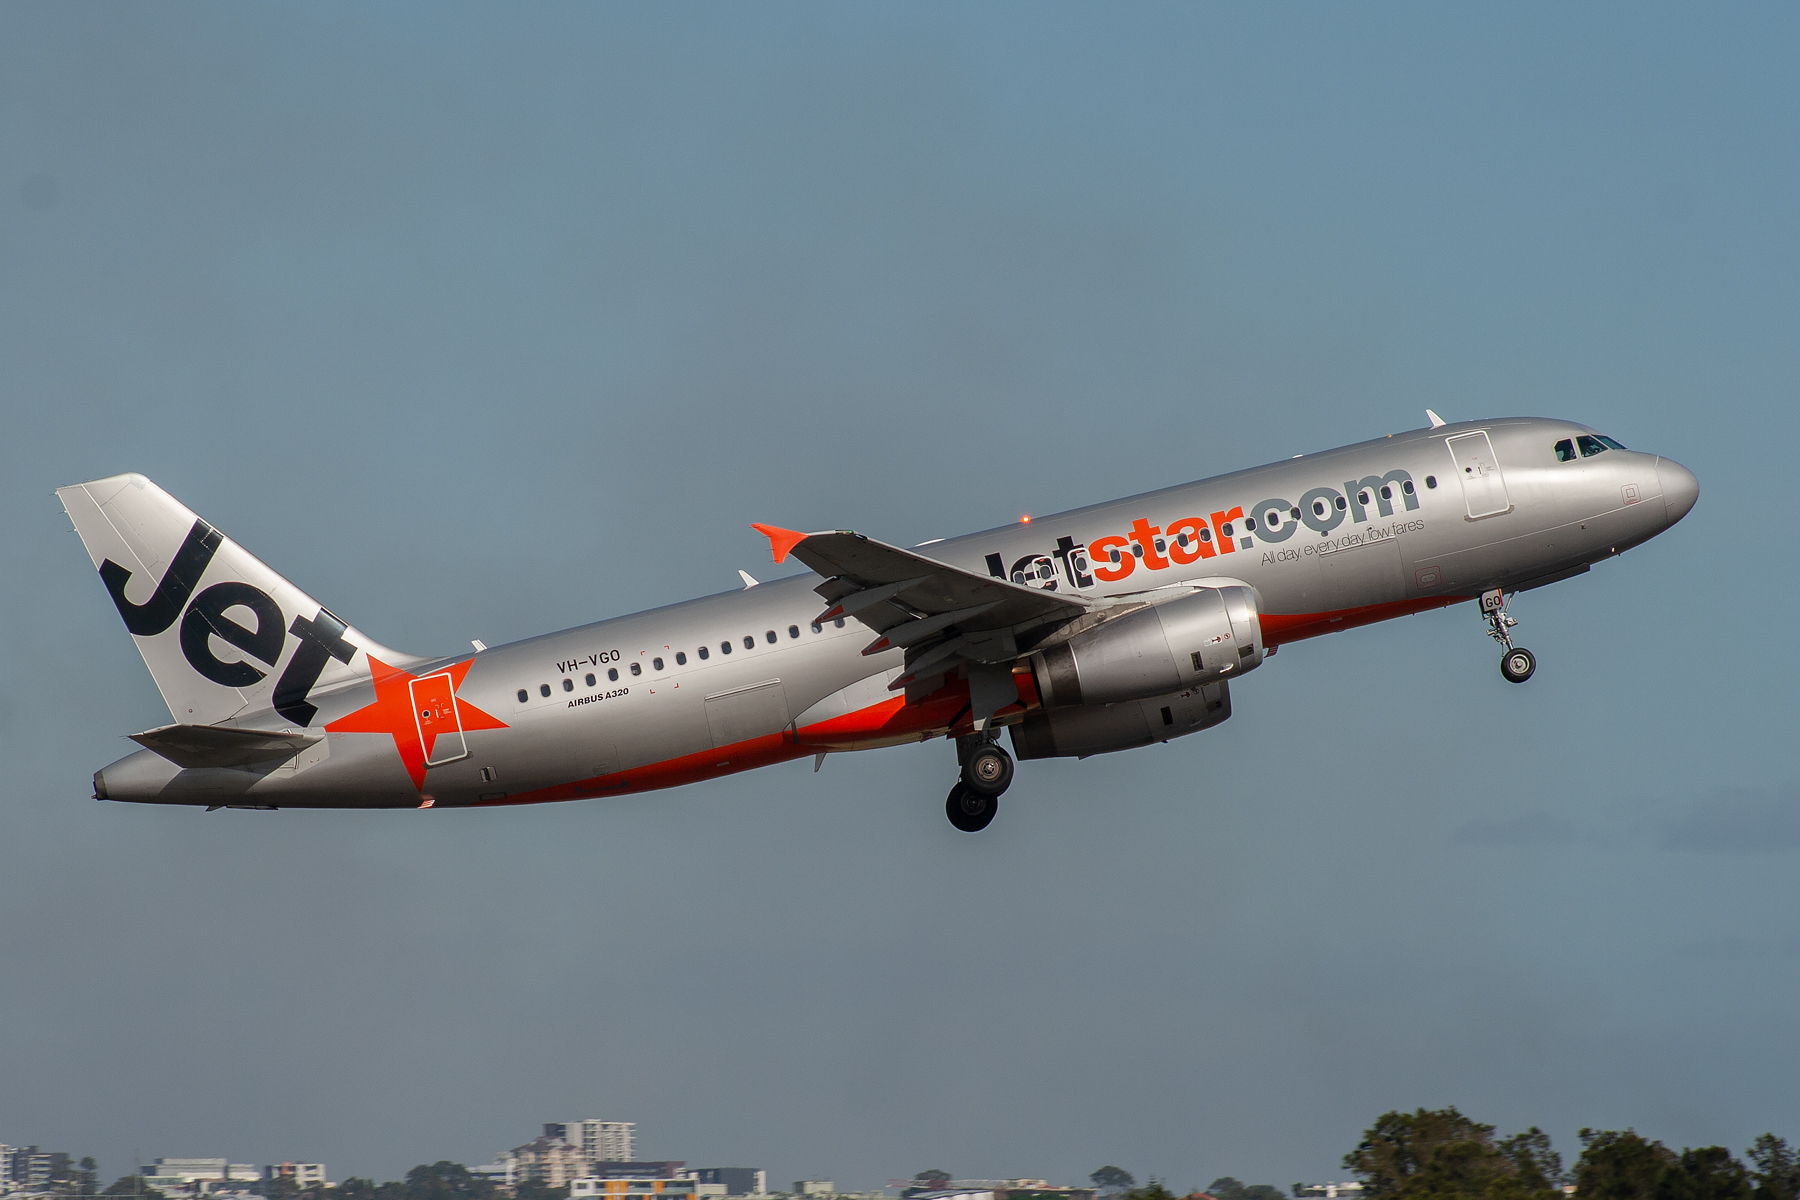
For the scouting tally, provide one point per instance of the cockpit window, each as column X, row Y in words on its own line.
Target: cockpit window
column 1610, row 442
column 1565, row 451
column 1590, row 446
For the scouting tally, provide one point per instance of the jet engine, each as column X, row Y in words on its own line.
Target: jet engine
column 1209, row 635
column 1103, row 728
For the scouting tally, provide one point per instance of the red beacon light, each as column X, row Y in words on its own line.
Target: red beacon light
column 1025, row 520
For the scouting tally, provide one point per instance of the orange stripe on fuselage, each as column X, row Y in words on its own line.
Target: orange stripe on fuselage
column 1278, row 628
column 892, row 722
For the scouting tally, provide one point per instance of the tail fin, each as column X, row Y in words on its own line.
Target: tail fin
column 248, row 640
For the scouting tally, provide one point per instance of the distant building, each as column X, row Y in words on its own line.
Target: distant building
column 623, row 1187
column 27, row 1168
column 644, row 1169
column 550, row 1159
column 1348, row 1190
column 818, row 1187
column 601, row 1141
column 499, row 1173
column 198, row 1175
column 737, row 1181
column 304, row 1175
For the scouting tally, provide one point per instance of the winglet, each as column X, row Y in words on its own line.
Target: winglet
column 1437, row 422
column 780, row 540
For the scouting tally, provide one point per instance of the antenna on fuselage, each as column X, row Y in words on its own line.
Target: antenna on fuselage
column 1436, row 421
column 748, row 581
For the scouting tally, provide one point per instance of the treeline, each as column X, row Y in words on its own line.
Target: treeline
column 442, row 1180
column 1439, row 1154
column 1433, row 1154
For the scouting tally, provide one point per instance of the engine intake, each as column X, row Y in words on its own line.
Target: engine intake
column 1209, row 635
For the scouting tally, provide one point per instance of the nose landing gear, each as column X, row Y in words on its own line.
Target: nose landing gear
column 1516, row 662
column 987, row 771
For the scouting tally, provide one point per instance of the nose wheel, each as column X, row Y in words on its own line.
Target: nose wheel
column 1516, row 663
column 987, row 771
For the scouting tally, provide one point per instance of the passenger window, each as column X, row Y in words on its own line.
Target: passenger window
column 568, row 685
column 1408, row 488
column 612, row 673
column 724, row 647
column 704, row 652
column 1205, row 536
column 590, row 679
column 524, row 695
column 1565, row 451
column 817, row 628
column 543, row 689
column 681, row 658
column 657, row 663
column 770, row 636
column 750, row 641
column 1431, row 481
column 1610, row 442
column 839, row 622
column 1590, row 446
column 637, row 668
column 1137, row 549
column 793, row 631
column 1340, row 504
column 1387, row 493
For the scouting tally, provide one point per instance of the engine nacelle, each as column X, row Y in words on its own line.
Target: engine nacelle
column 1209, row 635
column 1103, row 728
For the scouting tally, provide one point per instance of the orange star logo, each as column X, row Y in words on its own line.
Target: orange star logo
column 417, row 710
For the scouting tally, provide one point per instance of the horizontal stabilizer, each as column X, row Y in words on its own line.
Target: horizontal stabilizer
column 219, row 746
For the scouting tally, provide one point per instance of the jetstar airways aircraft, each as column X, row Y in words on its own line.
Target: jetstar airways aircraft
column 1091, row 631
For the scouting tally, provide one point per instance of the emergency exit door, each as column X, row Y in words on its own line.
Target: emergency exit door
column 1484, row 488
column 440, row 725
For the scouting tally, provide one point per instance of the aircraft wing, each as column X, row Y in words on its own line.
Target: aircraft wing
column 937, row 613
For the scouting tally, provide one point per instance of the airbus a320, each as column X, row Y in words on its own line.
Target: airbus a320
column 1088, row 632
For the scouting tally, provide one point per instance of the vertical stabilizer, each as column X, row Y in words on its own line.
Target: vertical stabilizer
column 222, row 634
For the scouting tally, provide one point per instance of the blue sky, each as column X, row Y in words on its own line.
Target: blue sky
column 483, row 321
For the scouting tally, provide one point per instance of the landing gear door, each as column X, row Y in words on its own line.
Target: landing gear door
column 439, row 724
column 1484, row 488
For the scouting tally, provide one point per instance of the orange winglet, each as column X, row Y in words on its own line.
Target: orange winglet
column 780, row 540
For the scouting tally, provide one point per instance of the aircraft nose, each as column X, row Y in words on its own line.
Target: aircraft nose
column 1679, row 488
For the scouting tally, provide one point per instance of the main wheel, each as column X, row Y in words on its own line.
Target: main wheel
column 969, row 811
column 1517, row 664
column 988, row 771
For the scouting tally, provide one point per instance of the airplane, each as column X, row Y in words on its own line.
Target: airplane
column 1097, row 630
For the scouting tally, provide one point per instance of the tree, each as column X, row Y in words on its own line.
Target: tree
column 1227, row 1188
column 134, row 1186
column 1777, row 1174
column 1704, row 1173
column 1112, row 1179
column 1538, row 1167
column 927, row 1181
column 1437, row 1154
column 1430, row 1151
column 1154, row 1190
column 445, row 1180
column 1619, row 1166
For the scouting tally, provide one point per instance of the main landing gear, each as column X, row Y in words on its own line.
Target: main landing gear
column 987, row 771
column 1516, row 662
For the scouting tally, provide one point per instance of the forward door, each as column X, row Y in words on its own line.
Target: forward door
column 1484, row 488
